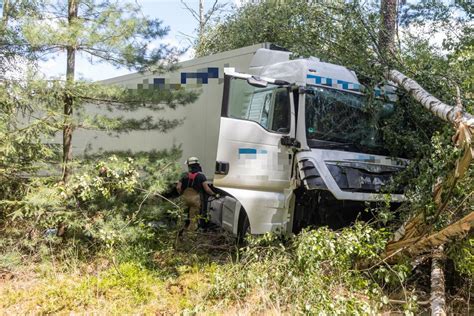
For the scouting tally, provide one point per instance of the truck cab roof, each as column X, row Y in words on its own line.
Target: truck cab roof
column 303, row 71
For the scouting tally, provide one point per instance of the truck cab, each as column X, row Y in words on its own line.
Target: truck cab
column 299, row 144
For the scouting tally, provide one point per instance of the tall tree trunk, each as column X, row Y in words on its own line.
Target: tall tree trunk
column 201, row 17
column 388, row 28
column 6, row 8
column 438, row 294
column 68, row 99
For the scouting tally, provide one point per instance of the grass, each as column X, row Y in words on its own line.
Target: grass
column 203, row 274
column 173, row 281
column 123, row 288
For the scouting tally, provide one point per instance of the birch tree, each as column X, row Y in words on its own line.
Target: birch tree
column 464, row 123
column 203, row 17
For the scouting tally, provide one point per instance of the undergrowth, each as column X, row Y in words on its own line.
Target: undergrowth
column 314, row 272
column 107, row 242
column 317, row 271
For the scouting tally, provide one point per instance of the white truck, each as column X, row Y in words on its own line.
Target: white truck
column 287, row 143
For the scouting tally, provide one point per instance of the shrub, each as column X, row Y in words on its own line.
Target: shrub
column 106, row 206
column 314, row 272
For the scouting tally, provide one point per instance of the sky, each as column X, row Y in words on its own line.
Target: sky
column 171, row 12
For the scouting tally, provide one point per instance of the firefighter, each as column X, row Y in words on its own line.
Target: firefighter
column 194, row 190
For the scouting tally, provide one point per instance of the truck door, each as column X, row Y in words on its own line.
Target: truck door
column 256, row 114
column 252, row 165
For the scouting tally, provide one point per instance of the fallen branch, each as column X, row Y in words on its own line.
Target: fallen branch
column 442, row 110
column 417, row 245
column 412, row 231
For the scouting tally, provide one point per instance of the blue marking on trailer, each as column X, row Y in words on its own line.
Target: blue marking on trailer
column 247, row 151
column 159, row 83
column 201, row 77
column 344, row 84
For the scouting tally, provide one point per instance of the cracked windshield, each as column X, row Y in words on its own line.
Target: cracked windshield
column 339, row 120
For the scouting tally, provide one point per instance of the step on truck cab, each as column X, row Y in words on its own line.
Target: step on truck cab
column 298, row 145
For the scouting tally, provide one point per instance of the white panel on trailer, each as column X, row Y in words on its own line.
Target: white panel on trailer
column 198, row 134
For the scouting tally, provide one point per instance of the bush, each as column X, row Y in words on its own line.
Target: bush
column 106, row 206
column 314, row 272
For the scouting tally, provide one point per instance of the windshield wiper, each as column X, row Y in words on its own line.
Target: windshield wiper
column 329, row 144
column 337, row 145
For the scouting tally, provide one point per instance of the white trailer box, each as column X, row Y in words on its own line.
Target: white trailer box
column 198, row 134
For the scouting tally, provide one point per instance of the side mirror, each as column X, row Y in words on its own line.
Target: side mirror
column 257, row 82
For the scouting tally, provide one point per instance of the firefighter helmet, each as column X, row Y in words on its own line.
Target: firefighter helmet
column 192, row 161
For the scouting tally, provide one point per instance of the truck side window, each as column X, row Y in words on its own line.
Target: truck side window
column 269, row 106
column 259, row 107
column 281, row 112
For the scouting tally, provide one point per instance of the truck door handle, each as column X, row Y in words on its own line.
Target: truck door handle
column 222, row 167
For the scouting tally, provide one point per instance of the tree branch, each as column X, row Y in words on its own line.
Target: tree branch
column 193, row 12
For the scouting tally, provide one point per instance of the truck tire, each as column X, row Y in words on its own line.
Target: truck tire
column 243, row 230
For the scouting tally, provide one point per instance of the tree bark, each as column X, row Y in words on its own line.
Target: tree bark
column 68, row 99
column 388, row 28
column 6, row 8
column 442, row 110
column 438, row 294
column 201, row 18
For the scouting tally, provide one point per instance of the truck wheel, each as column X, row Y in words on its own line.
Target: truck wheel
column 243, row 229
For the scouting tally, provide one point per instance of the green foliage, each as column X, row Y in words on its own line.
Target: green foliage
column 314, row 272
column 45, row 28
column 344, row 249
column 462, row 254
column 112, row 177
column 117, row 33
column 130, row 279
column 122, row 288
column 106, row 206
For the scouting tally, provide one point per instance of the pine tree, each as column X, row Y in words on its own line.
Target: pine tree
column 114, row 32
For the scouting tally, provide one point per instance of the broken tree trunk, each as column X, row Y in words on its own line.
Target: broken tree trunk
column 417, row 245
column 442, row 110
column 410, row 234
column 411, row 237
column 438, row 294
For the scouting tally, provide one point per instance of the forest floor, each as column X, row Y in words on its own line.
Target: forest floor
column 179, row 281
column 183, row 278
